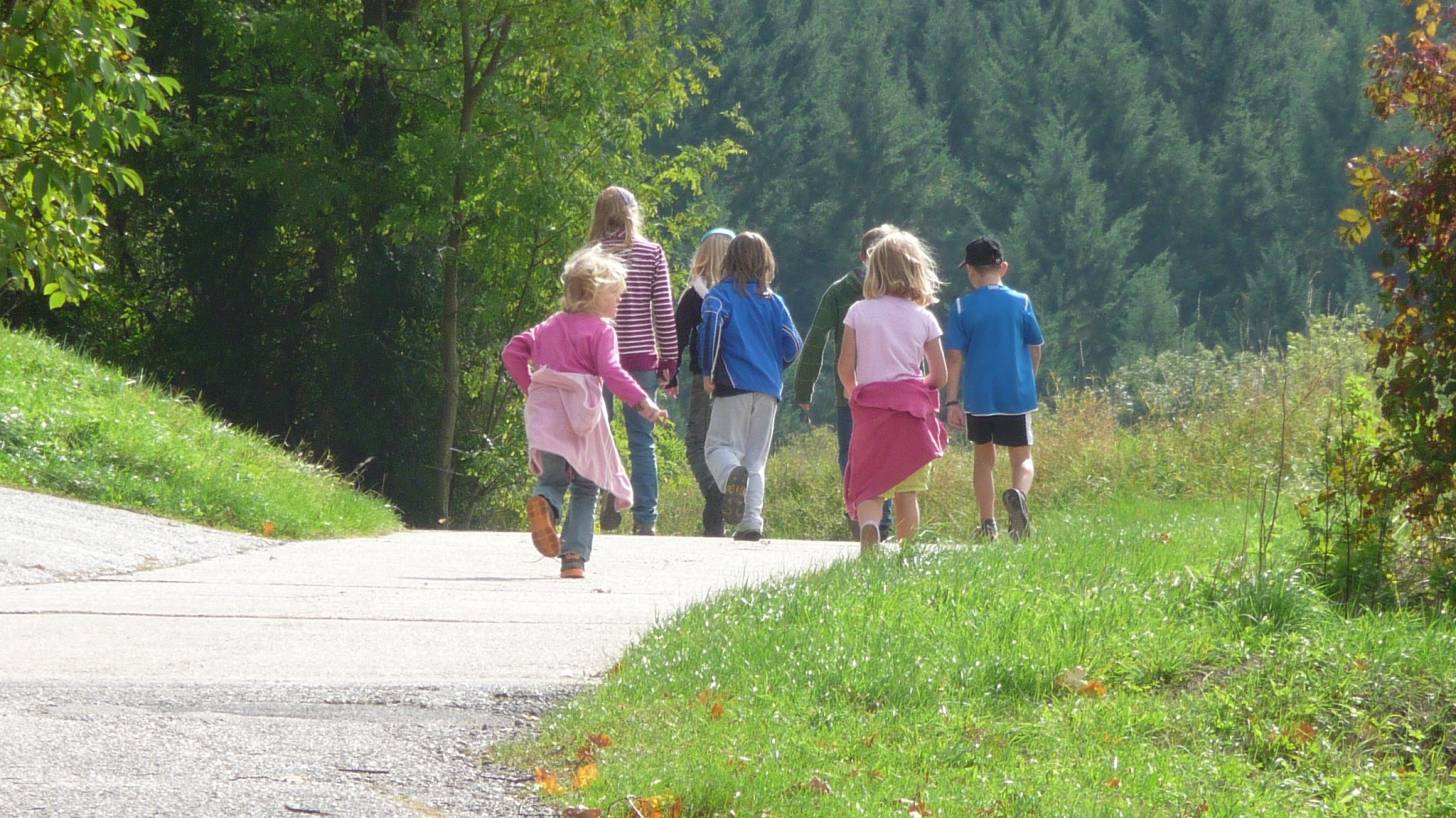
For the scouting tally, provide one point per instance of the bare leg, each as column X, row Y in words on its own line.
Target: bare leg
column 907, row 514
column 1022, row 470
column 986, row 479
column 869, row 512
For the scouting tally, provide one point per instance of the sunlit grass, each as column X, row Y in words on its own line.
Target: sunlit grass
column 1129, row 660
column 71, row 427
column 930, row 678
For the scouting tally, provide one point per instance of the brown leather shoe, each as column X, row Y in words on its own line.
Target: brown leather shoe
column 542, row 522
column 644, row 530
column 572, row 566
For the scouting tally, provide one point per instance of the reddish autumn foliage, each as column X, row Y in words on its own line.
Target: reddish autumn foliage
column 1410, row 195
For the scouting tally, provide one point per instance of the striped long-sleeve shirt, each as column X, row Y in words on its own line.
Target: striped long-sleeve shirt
column 646, row 331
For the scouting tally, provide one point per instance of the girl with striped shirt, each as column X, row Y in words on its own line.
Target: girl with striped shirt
column 646, row 340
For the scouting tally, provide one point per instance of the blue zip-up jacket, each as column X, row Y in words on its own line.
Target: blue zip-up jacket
column 747, row 340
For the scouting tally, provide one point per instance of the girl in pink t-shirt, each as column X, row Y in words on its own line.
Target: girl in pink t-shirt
column 891, row 364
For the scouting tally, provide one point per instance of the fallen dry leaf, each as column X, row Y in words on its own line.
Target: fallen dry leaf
column 1113, row 783
column 1073, row 679
column 716, row 711
column 645, row 807
column 546, row 780
column 583, row 775
column 581, row 812
column 1306, row 731
column 600, row 739
column 269, row 528
column 817, row 785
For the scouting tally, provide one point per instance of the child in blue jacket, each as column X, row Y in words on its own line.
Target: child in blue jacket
column 746, row 341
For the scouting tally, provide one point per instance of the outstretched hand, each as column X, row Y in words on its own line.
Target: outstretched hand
column 653, row 413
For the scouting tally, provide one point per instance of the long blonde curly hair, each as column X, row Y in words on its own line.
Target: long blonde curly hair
column 589, row 272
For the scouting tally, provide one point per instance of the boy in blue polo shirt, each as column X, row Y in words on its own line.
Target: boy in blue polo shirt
column 993, row 349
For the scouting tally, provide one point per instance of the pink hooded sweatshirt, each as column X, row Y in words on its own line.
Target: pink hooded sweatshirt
column 897, row 430
column 566, row 415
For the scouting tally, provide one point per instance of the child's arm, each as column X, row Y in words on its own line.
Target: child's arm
column 710, row 337
column 813, row 352
column 662, row 320
column 688, row 314
column 517, row 357
column 935, row 356
column 1031, row 335
column 955, row 414
column 790, row 344
column 609, row 366
column 847, row 360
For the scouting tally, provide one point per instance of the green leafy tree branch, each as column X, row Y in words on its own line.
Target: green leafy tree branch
column 74, row 96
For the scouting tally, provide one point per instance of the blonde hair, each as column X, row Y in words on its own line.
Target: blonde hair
column 873, row 235
column 590, row 271
column 749, row 258
column 616, row 212
column 708, row 260
column 901, row 265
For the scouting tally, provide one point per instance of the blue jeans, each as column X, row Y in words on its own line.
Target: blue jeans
column 641, row 451
column 844, row 426
column 556, row 476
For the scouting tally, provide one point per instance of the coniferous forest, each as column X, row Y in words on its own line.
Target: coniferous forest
column 347, row 206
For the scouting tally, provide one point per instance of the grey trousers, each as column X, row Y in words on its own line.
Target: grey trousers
column 740, row 433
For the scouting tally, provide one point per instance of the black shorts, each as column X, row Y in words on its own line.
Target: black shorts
column 1003, row 430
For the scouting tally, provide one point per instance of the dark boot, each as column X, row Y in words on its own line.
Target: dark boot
column 713, row 514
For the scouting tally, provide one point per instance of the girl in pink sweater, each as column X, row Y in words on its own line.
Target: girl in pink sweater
column 561, row 365
column 892, row 365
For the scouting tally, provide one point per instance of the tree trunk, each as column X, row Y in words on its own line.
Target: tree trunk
column 449, row 350
column 477, row 72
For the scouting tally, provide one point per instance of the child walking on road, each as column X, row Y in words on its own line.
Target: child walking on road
column 746, row 341
column 707, row 269
column 561, row 365
column 647, row 338
column 993, row 336
column 829, row 322
column 892, row 365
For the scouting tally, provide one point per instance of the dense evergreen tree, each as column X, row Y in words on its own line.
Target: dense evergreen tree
column 341, row 227
column 1208, row 138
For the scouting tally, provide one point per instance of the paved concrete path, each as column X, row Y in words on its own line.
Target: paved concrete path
column 350, row 677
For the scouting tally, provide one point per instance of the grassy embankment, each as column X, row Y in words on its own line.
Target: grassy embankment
column 74, row 428
column 943, row 680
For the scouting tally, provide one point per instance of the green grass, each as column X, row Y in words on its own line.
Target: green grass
column 927, row 682
column 930, row 678
column 71, row 427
